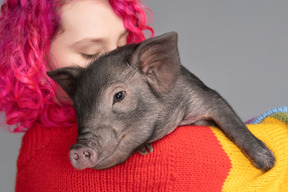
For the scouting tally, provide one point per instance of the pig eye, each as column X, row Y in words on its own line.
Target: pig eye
column 118, row 96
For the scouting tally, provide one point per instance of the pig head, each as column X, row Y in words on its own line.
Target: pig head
column 139, row 93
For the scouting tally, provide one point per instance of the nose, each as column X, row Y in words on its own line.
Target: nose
column 82, row 157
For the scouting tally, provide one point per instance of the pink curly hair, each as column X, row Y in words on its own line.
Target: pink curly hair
column 27, row 27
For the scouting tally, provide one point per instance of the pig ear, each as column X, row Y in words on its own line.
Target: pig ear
column 158, row 59
column 67, row 78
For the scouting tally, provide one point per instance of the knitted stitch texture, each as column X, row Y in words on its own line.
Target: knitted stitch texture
column 192, row 158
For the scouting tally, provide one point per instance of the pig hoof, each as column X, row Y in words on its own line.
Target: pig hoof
column 149, row 148
column 261, row 157
column 143, row 150
column 266, row 160
column 265, row 164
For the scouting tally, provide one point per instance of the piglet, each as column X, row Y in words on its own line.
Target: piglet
column 130, row 97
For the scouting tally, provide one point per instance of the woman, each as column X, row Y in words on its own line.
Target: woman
column 34, row 34
column 37, row 36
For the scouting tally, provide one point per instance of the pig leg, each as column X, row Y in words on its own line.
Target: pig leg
column 237, row 132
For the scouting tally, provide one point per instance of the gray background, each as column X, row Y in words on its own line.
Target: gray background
column 240, row 48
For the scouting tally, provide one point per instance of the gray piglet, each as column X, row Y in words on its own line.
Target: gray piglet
column 137, row 94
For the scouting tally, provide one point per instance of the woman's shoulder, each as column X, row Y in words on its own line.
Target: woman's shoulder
column 184, row 155
column 192, row 158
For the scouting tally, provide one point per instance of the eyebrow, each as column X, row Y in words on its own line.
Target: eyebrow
column 87, row 40
column 94, row 40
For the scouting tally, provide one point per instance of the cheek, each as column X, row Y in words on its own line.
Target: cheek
column 61, row 55
column 58, row 53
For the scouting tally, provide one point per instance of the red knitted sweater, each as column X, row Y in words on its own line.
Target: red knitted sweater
column 189, row 159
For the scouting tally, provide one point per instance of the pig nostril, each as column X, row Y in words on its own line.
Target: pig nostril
column 75, row 156
column 86, row 154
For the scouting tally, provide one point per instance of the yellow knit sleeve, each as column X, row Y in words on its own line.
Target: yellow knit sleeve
column 243, row 176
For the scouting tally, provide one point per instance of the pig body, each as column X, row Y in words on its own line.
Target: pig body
column 137, row 94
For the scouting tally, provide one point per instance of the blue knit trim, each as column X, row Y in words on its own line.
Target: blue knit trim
column 264, row 115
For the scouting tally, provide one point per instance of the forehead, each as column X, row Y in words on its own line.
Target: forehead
column 89, row 18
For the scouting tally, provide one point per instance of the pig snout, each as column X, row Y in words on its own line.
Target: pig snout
column 82, row 157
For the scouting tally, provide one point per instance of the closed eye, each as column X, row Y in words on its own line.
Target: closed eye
column 90, row 56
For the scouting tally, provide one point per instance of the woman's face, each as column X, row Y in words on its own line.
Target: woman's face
column 89, row 29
